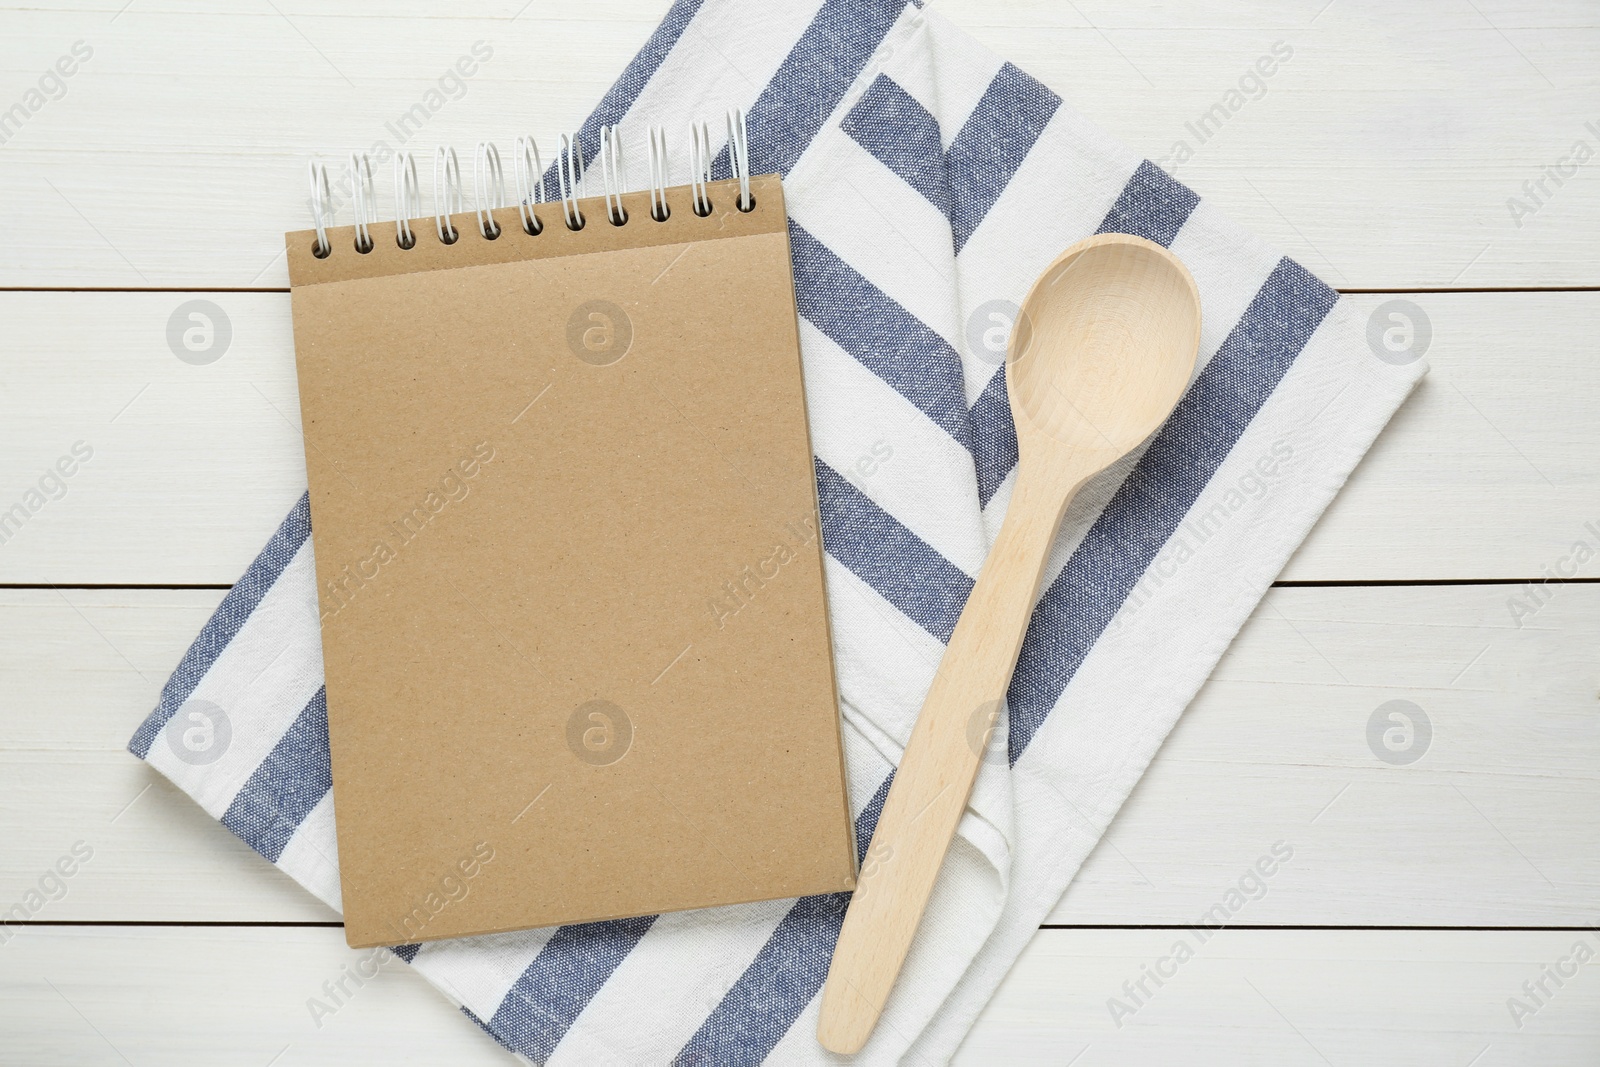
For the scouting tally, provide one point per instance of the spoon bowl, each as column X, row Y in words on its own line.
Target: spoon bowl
column 1103, row 348
column 1102, row 352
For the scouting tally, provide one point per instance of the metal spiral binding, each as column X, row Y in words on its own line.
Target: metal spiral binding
column 488, row 188
column 529, row 185
column 569, row 180
column 407, row 199
column 700, row 168
column 447, row 198
column 366, row 204
column 613, row 174
column 658, row 174
column 321, row 209
column 526, row 163
column 739, row 157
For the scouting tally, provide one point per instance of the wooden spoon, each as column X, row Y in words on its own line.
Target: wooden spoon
column 1104, row 347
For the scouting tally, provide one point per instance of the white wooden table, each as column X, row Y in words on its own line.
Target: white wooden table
column 1421, row 896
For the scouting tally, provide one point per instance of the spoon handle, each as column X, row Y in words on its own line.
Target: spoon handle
column 936, row 773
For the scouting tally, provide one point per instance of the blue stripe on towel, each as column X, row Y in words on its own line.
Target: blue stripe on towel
column 924, row 586
column 994, row 437
column 904, row 136
column 1009, row 118
column 566, row 974
column 883, row 336
column 814, row 77
column 965, row 181
column 1151, row 205
column 1168, row 479
column 787, row 972
column 292, row 780
column 230, row 616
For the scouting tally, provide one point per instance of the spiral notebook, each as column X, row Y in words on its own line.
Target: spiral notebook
column 568, row 553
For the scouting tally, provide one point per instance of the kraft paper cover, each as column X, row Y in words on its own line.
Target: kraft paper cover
column 570, row 571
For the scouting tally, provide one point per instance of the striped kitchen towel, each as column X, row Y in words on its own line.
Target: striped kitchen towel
column 929, row 182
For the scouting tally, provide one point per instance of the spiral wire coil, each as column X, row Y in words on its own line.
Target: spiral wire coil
column 613, row 174
column 407, row 199
column 658, row 174
column 447, row 196
column 530, row 190
column 321, row 209
column 569, row 181
column 700, row 168
column 488, row 188
column 530, row 185
column 739, row 157
column 365, row 202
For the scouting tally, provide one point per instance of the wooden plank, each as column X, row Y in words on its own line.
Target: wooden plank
column 1289, row 998
column 1279, row 747
column 1487, row 470
column 190, row 995
column 1493, row 825
column 116, row 995
column 194, row 466
column 1382, row 153
column 205, row 108
column 81, row 670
